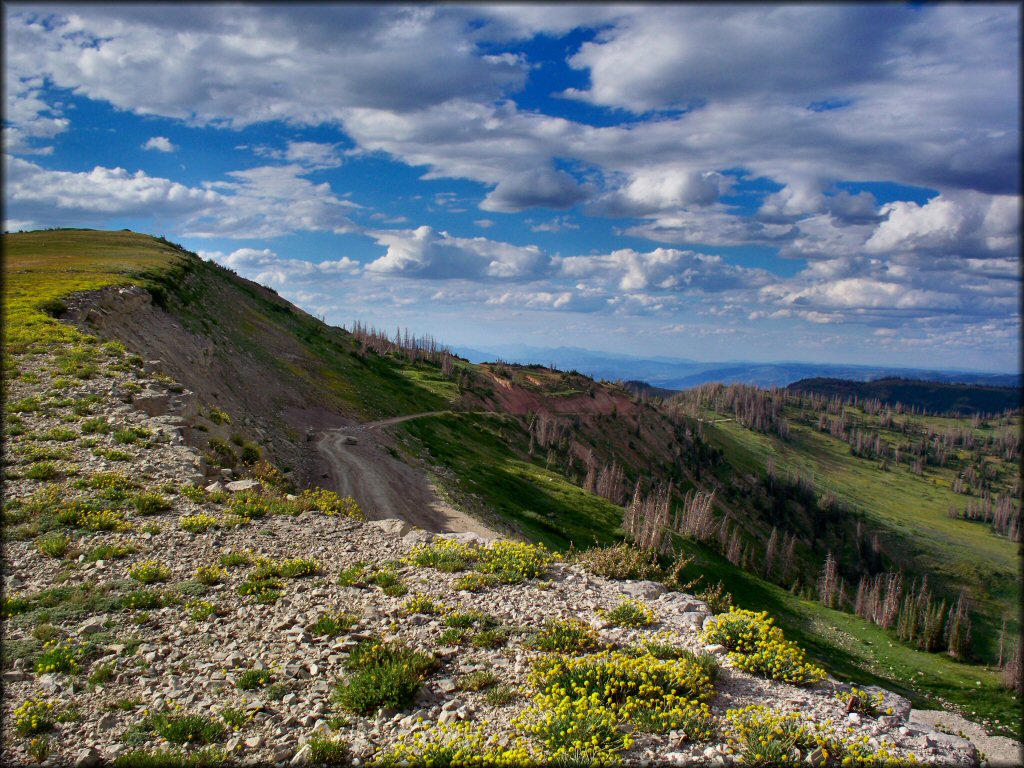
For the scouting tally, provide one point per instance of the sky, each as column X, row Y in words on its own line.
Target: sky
column 821, row 183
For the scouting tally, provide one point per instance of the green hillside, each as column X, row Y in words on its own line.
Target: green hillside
column 528, row 446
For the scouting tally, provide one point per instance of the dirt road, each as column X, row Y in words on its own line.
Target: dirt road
column 382, row 485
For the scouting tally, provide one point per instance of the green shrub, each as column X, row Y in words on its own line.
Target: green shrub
column 630, row 613
column 333, row 623
column 298, row 567
column 500, row 695
column 141, row 758
column 109, row 552
column 197, row 523
column 354, row 576
column 478, row 680
column 235, row 559
column 717, row 599
column 217, row 416
column 468, row 619
column 193, row 493
column 565, row 636
column 53, row 544
column 390, row 583
column 150, row 503
column 447, row 555
column 104, row 673
column 327, row 751
column 382, row 675
column 490, row 639
column 144, row 600
column 741, row 630
column 186, row 729
column 252, row 679
column 210, row 575
column 41, row 471
column 149, row 572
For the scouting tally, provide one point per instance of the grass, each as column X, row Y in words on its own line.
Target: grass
column 909, row 510
column 547, row 507
column 382, row 675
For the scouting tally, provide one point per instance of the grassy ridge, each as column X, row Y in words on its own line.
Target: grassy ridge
column 42, row 268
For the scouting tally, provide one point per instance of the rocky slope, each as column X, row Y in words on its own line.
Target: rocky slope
column 111, row 662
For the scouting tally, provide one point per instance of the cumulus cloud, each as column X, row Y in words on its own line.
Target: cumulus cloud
column 267, row 267
column 48, row 197
column 969, row 223
column 426, row 253
column 664, row 269
column 654, row 190
column 536, row 188
column 159, row 144
column 267, row 201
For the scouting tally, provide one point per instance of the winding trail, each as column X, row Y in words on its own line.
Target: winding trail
column 384, row 486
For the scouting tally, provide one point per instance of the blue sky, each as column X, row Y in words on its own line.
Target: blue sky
column 833, row 183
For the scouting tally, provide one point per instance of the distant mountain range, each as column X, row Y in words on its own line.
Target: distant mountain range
column 681, row 373
column 928, row 396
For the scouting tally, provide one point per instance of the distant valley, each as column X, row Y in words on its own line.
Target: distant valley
column 681, row 373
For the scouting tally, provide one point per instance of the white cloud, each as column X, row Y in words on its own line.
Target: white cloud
column 160, row 144
column 425, row 253
column 49, row 197
column 268, row 268
column 964, row 223
column 267, row 201
column 663, row 269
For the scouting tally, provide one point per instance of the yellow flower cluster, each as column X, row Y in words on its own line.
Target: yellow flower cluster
column 576, row 731
column 197, row 523
column 149, row 572
column 59, row 656
column 782, row 660
column 444, row 554
column 882, row 754
column 331, row 503
column 33, row 716
column 421, row 604
column 101, row 520
column 460, row 745
column 740, row 630
column 760, row 648
column 619, row 678
column 767, row 737
column 210, row 574
column 514, row 562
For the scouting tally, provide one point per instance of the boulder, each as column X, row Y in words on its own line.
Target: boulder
column 237, row 486
column 392, row 525
column 642, row 590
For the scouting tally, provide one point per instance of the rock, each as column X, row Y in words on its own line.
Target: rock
column 643, row 590
column 417, row 536
column 302, row 756
column 393, row 526
column 88, row 757
column 91, row 626
column 107, row 722
column 348, row 440
column 238, row 486
column 816, row 758
column 215, row 487
column 282, row 752
column 716, row 649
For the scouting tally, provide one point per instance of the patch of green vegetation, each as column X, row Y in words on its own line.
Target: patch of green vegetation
column 546, row 506
column 382, row 675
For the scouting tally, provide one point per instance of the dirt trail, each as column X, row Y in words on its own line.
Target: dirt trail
column 382, row 485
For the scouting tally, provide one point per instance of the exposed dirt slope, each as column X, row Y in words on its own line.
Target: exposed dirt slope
column 384, row 486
